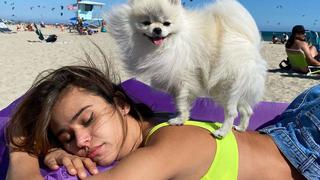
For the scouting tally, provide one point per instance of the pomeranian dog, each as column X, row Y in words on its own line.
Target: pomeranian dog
column 212, row 52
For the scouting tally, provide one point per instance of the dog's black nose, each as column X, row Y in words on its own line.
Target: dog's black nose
column 157, row 31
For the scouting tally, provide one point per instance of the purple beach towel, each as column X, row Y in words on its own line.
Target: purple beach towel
column 204, row 109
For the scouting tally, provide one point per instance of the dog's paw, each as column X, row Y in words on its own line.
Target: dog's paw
column 240, row 128
column 220, row 133
column 176, row 121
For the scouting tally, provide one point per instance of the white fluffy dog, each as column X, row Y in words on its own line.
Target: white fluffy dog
column 212, row 52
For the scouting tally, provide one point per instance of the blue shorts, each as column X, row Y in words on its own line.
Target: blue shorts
column 297, row 133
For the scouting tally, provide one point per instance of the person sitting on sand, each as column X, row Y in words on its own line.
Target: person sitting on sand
column 297, row 41
column 28, row 27
column 18, row 27
column 77, row 117
column 275, row 39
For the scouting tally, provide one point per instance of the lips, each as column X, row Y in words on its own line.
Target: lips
column 94, row 151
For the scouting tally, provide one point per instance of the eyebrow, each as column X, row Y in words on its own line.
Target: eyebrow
column 73, row 119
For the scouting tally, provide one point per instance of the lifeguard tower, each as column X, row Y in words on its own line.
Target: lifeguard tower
column 87, row 14
column 86, row 10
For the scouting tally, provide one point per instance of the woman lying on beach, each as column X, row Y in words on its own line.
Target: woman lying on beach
column 297, row 41
column 78, row 118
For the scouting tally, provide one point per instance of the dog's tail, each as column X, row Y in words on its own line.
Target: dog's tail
column 234, row 17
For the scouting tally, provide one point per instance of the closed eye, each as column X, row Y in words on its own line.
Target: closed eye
column 89, row 121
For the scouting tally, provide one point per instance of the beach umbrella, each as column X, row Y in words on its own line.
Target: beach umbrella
column 85, row 24
column 73, row 19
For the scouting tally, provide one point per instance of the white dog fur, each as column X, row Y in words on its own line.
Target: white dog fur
column 211, row 52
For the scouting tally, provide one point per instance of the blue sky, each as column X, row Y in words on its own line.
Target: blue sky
column 270, row 15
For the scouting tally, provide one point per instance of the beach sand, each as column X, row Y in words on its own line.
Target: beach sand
column 23, row 57
column 283, row 86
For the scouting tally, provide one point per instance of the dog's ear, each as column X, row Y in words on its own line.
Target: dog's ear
column 175, row 2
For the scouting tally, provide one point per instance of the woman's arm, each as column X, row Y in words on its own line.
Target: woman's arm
column 310, row 59
column 23, row 166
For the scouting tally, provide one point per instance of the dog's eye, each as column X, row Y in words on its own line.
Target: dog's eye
column 146, row 23
column 166, row 23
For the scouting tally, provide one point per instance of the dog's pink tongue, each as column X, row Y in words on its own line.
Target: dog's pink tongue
column 158, row 41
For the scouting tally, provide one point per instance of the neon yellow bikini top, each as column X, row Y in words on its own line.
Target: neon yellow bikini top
column 225, row 163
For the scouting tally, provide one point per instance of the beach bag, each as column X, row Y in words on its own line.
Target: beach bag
column 52, row 38
column 285, row 64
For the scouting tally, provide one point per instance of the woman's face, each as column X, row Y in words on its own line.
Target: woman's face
column 87, row 125
column 301, row 36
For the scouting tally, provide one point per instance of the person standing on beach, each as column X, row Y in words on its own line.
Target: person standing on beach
column 284, row 38
column 297, row 41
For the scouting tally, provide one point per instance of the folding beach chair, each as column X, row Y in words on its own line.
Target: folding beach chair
column 50, row 38
column 4, row 28
column 297, row 60
column 38, row 32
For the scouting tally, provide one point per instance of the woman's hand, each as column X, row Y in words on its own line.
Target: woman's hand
column 75, row 165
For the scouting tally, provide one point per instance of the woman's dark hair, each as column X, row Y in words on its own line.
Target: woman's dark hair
column 295, row 30
column 28, row 129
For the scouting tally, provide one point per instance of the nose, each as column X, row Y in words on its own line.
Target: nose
column 83, row 138
column 157, row 31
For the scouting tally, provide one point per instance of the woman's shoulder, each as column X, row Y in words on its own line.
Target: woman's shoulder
column 300, row 43
column 184, row 140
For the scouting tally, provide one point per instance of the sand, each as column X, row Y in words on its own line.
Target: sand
column 23, row 57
